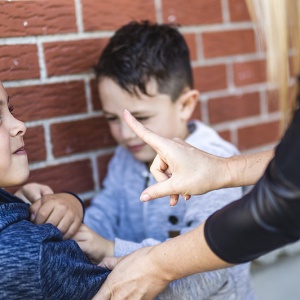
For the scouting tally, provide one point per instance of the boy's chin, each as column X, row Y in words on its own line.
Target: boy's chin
column 22, row 177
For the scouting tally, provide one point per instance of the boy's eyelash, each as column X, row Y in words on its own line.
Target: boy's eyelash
column 138, row 118
column 142, row 118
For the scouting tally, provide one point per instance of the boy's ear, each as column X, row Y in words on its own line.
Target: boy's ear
column 188, row 102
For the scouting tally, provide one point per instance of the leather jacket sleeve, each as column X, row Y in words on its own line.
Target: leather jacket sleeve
column 268, row 217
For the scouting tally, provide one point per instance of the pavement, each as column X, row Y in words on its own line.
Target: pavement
column 278, row 280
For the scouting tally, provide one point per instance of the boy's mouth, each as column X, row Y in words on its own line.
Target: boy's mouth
column 21, row 150
column 135, row 148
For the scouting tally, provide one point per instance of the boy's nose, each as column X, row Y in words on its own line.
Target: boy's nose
column 18, row 127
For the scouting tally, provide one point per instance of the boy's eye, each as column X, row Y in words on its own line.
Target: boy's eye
column 142, row 118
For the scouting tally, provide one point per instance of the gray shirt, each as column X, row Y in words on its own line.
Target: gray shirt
column 117, row 214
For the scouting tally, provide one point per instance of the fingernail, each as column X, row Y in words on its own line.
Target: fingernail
column 32, row 217
column 187, row 197
column 145, row 197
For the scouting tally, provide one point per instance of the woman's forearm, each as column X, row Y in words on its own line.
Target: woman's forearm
column 185, row 255
column 247, row 169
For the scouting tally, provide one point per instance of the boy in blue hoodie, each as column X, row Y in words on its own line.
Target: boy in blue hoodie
column 36, row 263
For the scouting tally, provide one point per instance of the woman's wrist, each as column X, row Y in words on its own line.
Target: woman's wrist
column 225, row 175
column 242, row 170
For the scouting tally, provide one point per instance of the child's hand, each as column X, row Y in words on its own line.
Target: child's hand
column 32, row 192
column 93, row 245
column 61, row 210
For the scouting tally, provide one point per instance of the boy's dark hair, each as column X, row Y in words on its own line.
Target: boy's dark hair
column 139, row 52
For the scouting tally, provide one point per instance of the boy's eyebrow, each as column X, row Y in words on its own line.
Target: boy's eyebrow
column 134, row 113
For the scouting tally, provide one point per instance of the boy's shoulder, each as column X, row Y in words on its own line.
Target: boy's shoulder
column 207, row 139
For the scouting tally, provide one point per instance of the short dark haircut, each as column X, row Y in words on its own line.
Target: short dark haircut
column 141, row 51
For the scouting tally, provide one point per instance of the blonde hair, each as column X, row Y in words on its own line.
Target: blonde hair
column 278, row 25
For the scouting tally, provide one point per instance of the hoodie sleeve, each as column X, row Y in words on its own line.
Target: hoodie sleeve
column 65, row 271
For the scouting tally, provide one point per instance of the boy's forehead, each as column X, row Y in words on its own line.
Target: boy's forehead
column 151, row 87
column 111, row 94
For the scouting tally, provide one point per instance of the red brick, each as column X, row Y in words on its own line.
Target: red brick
column 80, row 136
column 238, row 11
column 226, row 135
column 102, row 163
column 224, row 43
column 258, row 135
column 76, row 177
column 233, row 107
column 47, row 101
column 21, row 18
column 249, row 72
column 194, row 12
column 210, row 78
column 35, row 144
column 191, row 42
column 19, row 62
column 110, row 15
column 73, row 56
column 95, row 95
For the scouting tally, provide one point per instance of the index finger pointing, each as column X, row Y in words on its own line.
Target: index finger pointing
column 152, row 139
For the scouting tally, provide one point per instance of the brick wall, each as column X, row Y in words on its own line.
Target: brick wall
column 47, row 49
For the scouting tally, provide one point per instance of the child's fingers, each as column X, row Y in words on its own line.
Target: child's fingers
column 33, row 209
column 109, row 262
column 69, row 227
column 62, row 220
column 33, row 191
column 46, row 190
column 82, row 235
column 36, row 191
column 46, row 214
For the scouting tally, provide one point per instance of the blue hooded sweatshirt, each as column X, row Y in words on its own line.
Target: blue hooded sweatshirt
column 36, row 263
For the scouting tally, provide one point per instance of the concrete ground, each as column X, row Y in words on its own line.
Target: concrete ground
column 279, row 280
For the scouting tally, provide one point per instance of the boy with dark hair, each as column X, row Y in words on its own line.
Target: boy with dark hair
column 145, row 68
